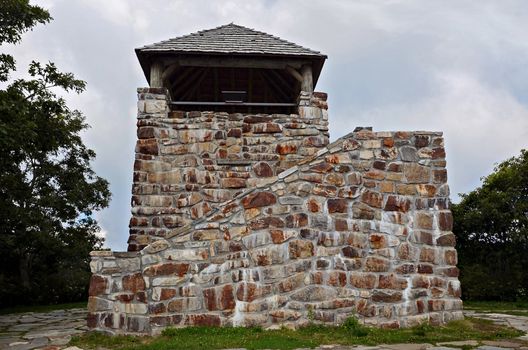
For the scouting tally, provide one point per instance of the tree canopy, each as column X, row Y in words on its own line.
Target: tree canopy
column 491, row 224
column 48, row 189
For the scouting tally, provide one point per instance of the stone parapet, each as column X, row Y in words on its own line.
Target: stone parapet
column 359, row 227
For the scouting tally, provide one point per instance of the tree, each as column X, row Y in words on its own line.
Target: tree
column 48, row 190
column 491, row 224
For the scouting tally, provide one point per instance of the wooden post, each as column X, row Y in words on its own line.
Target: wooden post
column 156, row 74
column 307, row 83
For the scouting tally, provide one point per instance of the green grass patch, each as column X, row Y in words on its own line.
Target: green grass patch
column 517, row 308
column 41, row 308
column 350, row 333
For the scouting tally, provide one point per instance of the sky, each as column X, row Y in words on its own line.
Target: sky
column 455, row 66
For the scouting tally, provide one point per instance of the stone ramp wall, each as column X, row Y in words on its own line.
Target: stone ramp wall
column 189, row 162
column 361, row 228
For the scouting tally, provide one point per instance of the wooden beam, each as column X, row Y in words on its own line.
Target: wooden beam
column 197, row 83
column 294, row 73
column 237, row 62
column 307, row 83
column 167, row 72
column 282, row 81
column 276, row 86
column 156, row 72
column 188, row 82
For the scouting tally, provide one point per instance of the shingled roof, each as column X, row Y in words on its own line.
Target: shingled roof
column 231, row 39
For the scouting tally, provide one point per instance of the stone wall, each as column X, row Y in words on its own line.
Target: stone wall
column 187, row 163
column 362, row 227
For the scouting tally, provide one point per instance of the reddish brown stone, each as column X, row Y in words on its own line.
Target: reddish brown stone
column 168, row 293
column 167, row 269
column 424, row 221
column 450, row 257
column 374, row 199
column 375, row 264
column 395, row 167
column 397, row 203
column 219, row 298
column 164, row 321
column 337, row 205
column 259, row 199
column 365, row 308
column 252, row 119
column 386, row 297
column 424, row 268
column 440, row 176
column 448, row 240
column 423, row 237
column 203, row 320
column 157, row 308
column 438, row 152
column 351, row 252
column 98, row 285
column 267, row 128
column 337, row 279
column 291, row 283
column 286, row 148
column 445, row 221
column 326, row 191
column 91, row 320
column 134, row 283
column 415, row 173
column 427, row 255
column 147, row 146
column 322, row 167
column 335, row 179
column 300, row 249
column 146, row 133
column 233, row 182
column 363, row 280
column 252, row 291
column 436, row 305
column 296, row 220
column 341, row 225
column 313, row 205
column 391, row 282
column 377, row 241
column 451, row 272
column 404, row 252
column 262, row 169
column 405, row 269
column 265, row 222
column 235, row 132
column 312, row 177
column 125, row 298
column 277, row 236
column 420, row 306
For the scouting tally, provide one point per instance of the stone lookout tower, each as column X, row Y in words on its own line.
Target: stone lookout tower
column 221, row 122
column 244, row 214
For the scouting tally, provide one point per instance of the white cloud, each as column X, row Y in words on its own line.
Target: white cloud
column 457, row 66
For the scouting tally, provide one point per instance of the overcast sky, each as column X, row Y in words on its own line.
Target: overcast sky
column 460, row 67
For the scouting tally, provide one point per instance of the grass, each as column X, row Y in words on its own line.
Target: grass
column 517, row 308
column 41, row 308
column 351, row 333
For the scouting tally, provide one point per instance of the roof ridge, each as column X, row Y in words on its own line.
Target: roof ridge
column 275, row 44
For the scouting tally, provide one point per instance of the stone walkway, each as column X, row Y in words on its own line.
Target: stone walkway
column 53, row 330
column 38, row 330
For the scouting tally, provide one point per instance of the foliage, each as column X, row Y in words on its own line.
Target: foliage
column 48, row 190
column 284, row 338
column 491, row 225
column 355, row 328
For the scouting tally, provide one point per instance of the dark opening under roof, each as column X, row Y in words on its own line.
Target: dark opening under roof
column 229, row 40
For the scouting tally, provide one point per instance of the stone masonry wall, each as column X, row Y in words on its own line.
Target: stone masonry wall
column 187, row 163
column 362, row 228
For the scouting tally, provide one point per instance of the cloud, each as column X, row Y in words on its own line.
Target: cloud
column 457, row 66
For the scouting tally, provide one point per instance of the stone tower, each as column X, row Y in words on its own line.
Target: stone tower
column 244, row 214
column 227, row 110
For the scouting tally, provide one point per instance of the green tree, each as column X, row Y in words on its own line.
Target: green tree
column 48, row 191
column 491, row 225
